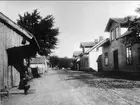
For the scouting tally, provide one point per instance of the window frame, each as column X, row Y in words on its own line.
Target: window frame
column 138, row 55
column 112, row 35
column 117, row 32
column 106, row 59
column 129, row 55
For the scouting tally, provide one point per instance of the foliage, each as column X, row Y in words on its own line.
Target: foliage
column 42, row 28
column 54, row 61
column 64, row 62
column 133, row 25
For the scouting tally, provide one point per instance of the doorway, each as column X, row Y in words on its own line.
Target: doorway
column 116, row 62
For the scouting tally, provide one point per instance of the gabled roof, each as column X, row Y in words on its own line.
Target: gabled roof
column 97, row 45
column 76, row 53
column 87, row 44
column 14, row 26
column 111, row 20
column 11, row 24
column 118, row 20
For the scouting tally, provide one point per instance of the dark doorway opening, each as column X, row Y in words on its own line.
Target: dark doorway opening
column 116, row 62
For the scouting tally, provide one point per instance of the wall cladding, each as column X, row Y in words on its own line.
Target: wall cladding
column 8, row 38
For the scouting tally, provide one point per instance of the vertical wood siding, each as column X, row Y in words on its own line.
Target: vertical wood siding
column 8, row 39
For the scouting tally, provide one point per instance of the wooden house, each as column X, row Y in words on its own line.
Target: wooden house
column 116, row 54
column 84, row 57
column 16, row 44
column 88, row 59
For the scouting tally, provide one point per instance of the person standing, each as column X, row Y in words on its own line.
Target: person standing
column 25, row 83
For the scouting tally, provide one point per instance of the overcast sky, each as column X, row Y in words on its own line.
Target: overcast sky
column 78, row 21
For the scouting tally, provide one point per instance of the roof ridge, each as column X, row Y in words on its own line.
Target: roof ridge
column 12, row 23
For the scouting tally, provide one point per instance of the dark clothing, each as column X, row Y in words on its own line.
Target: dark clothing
column 26, row 88
column 21, row 84
column 24, row 85
column 24, row 82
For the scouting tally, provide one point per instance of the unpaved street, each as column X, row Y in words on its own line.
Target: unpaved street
column 66, row 87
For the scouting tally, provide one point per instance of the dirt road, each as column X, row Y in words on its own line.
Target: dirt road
column 61, row 87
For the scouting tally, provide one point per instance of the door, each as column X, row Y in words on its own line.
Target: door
column 99, row 62
column 116, row 63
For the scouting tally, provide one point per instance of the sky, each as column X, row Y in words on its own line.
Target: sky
column 78, row 21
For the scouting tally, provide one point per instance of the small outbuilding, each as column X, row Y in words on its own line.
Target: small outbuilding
column 39, row 65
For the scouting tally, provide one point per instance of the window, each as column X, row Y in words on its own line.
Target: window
column 129, row 55
column 117, row 32
column 106, row 59
column 112, row 34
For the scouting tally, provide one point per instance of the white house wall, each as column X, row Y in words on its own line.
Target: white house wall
column 93, row 55
column 41, row 67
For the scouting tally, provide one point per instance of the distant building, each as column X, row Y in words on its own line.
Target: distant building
column 86, row 45
column 76, row 54
column 101, row 38
column 75, row 60
column 41, row 63
column 88, row 59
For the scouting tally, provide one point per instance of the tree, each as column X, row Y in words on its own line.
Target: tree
column 64, row 62
column 42, row 28
column 133, row 25
column 54, row 61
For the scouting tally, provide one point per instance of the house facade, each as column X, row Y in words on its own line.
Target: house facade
column 116, row 54
column 15, row 45
column 41, row 63
column 88, row 60
column 76, row 60
column 84, row 62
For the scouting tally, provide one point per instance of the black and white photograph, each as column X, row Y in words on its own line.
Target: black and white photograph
column 69, row 52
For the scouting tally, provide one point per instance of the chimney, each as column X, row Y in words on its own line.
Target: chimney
column 83, row 49
column 96, row 41
column 100, row 38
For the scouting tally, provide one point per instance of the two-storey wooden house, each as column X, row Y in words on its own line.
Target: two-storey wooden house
column 116, row 54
